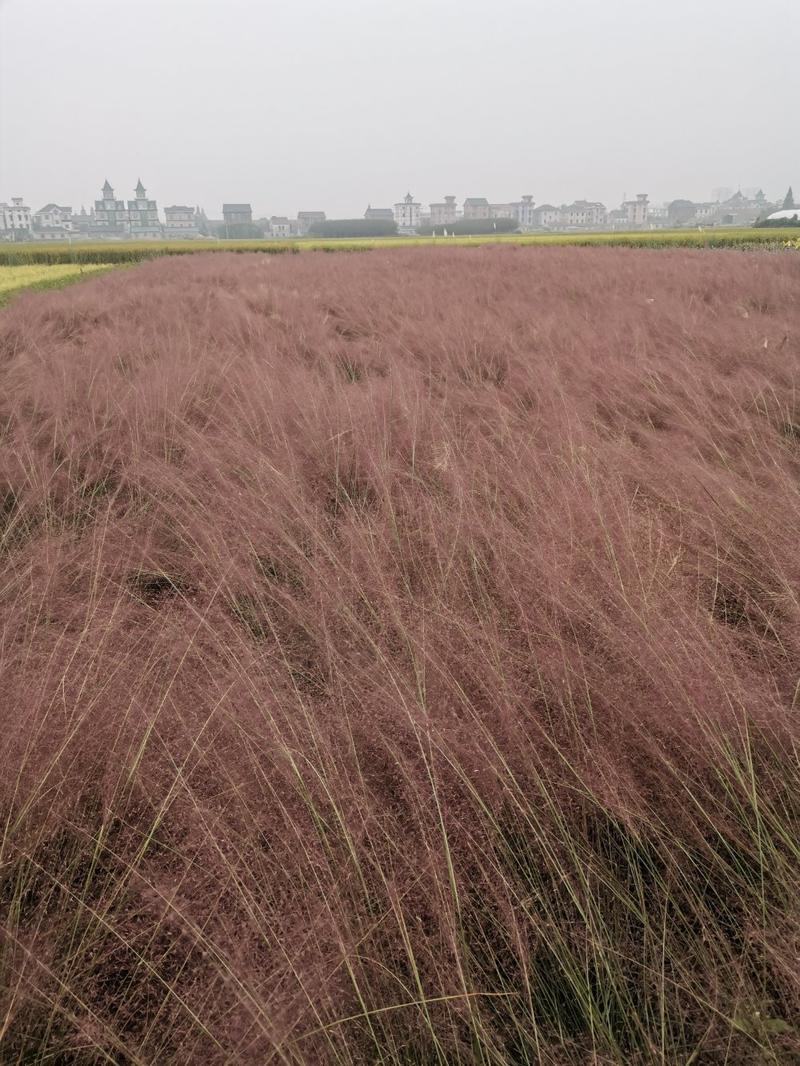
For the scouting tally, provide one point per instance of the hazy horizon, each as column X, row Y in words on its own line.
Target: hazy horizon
column 316, row 108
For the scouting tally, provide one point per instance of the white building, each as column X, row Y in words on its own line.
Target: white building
column 407, row 213
column 53, row 215
column 585, row 214
column 636, row 210
column 546, row 215
column 502, row 211
column 180, row 222
column 521, row 211
column 704, row 212
column 15, row 219
column 280, row 226
column 658, row 216
column 524, row 212
column 52, row 223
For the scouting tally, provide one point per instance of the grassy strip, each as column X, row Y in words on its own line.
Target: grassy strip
column 17, row 279
column 104, row 252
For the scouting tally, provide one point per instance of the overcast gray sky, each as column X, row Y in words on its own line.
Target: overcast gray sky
column 331, row 104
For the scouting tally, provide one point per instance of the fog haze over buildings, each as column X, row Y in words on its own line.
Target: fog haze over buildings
column 317, row 105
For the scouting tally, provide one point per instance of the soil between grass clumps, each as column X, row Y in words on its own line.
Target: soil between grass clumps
column 400, row 660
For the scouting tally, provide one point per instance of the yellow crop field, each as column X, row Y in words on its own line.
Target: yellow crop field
column 43, row 276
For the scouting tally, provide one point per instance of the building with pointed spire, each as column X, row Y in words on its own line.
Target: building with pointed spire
column 143, row 214
column 202, row 221
column 110, row 215
column 112, row 218
column 83, row 221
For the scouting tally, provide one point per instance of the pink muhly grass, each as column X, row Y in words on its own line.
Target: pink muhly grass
column 400, row 660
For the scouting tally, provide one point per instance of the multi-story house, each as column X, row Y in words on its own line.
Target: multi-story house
column 111, row 217
column 597, row 213
column 524, row 212
column 618, row 219
column 181, row 222
column 520, row 210
column 407, row 213
column 280, row 226
column 571, row 215
column 444, row 214
column 143, row 214
column 658, row 216
column 477, row 207
column 546, row 216
column 679, row 212
column 736, row 210
column 636, row 210
column 15, row 219
column 237, row 214
column 705, row 212
column 306, row 219
column 379, row 214
column 52, row 222
column 740, row 210
column 584, row 214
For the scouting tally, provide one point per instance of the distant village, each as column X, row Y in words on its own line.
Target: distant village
column 140, row 218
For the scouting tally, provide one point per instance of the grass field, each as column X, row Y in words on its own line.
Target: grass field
column 14, row 279
column 400, row 661
column 130, row 251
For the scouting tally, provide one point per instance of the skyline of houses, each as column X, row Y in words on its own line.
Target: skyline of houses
column 140, row 219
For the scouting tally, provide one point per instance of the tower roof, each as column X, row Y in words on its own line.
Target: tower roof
column 140, row 189
column 108, row 190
